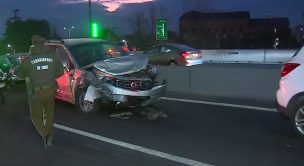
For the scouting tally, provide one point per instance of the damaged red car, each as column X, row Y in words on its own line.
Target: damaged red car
column 97, row 73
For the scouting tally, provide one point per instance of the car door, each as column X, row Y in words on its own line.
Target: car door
column 64, row 90
column 167, row 55
column 154, row 54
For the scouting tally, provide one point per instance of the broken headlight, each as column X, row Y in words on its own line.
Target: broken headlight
column 151, row 72
column 103, row 76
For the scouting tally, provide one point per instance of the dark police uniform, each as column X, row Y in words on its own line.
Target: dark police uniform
column 41, row 69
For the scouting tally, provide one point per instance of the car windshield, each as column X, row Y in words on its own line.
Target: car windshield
column 89, row 53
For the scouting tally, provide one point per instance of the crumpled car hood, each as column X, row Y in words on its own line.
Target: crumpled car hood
column 123, row 65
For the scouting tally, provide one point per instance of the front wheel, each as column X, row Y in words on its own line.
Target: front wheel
column 298, row 120
column 83, row 105
column 172, row 64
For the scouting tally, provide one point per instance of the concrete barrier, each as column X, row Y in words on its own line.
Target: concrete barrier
column 246, row 81
column 247, row 56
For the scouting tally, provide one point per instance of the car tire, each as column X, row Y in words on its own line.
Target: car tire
column 297, row 119
column 172, row 64
column 85, row 106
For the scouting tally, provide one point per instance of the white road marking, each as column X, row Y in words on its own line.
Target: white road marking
column 156, row 153
column 141, row 149
column 220, row 104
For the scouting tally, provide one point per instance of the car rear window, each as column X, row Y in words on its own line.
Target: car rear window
column 185, row 47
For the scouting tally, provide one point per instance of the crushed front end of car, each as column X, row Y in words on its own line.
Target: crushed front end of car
column 127, row 80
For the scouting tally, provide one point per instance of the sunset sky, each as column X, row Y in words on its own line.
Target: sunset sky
column 116, row 14
column 111, row 5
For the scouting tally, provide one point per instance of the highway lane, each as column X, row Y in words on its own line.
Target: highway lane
column 209, row 134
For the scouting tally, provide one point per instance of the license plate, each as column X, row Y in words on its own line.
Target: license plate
column 2, row 85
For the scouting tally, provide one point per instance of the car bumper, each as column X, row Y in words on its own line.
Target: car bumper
column 282, row 110
column 146, row 97
column 189, row 62
column 192, row 62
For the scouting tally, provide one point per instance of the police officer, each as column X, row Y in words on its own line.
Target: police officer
column 41, row 68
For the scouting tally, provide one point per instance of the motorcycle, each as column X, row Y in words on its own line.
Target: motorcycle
column 3, row 88
column 5, row 82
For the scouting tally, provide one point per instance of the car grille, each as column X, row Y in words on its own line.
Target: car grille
column 134, row 84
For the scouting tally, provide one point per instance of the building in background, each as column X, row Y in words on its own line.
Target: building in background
column 228, row 30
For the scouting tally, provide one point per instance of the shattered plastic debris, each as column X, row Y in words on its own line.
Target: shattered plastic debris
column 121, row 115
column 149, row 112
column 153, row 114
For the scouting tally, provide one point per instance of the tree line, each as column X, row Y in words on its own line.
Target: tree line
column 18, row 33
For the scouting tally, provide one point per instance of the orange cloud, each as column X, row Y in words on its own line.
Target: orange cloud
column 111, row 5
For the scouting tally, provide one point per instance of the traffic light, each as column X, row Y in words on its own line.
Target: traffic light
column 95, row 30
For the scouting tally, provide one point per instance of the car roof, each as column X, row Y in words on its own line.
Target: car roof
column 183, row 47
column 77, row 41
column 173, row 44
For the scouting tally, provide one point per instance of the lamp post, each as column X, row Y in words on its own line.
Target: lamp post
column 11, row 47
column 90, row 17
column 69, row 30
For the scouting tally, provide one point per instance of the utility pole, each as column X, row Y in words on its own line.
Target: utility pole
column 90, row 17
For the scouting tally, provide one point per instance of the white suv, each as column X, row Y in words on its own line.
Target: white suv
column 290, row 95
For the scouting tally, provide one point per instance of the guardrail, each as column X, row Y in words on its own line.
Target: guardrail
column 247, row 56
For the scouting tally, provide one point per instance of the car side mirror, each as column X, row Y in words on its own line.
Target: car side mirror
column 69, row 72
column 66, row 68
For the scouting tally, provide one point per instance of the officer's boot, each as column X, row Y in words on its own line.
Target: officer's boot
column 48, row 141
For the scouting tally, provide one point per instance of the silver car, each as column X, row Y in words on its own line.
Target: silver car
column 96, row 73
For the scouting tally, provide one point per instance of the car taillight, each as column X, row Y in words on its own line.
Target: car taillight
column 22, row 58
column 125, row 49
column 185, row 55
column 288, row 67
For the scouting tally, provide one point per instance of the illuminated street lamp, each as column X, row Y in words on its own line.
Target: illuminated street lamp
column 69, row 30
column 11, row 47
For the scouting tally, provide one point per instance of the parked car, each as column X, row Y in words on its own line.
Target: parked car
column 96, row 73
column 127, row 46
column 290, row 95
column 174, row 54
column 21, row 56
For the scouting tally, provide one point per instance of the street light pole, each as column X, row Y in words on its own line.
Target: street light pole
column 69, row 30
column 90, row 17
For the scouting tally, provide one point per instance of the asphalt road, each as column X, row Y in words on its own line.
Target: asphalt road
column 193, row 134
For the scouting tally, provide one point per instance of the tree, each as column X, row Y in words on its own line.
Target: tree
column 109, row 35
column 3, row 47
column 18, row 32
column 154, row 13
column 139, row 22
